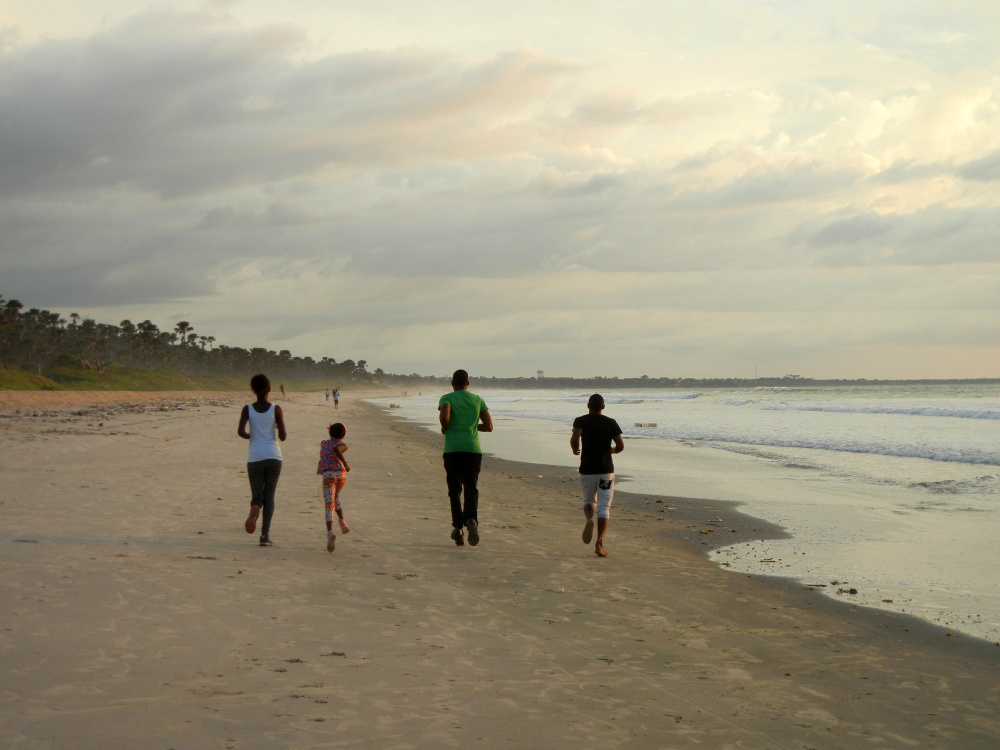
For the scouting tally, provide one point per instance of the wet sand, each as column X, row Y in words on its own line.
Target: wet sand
column 140, row 614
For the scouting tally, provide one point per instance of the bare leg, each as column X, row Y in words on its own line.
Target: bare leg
column 331, row 538
column 344, row 528
column 588, row 529
column 602, row 526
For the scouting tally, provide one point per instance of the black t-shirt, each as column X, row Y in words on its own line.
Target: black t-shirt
column 597, row 432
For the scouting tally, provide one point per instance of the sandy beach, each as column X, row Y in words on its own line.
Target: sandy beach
column 139, row 614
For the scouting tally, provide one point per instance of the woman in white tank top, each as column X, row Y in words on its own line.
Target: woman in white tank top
column 266, row 424
column 263, row 440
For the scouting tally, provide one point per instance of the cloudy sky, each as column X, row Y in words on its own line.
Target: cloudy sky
column 586, row 187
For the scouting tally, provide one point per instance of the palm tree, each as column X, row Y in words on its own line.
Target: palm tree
column 182, row 329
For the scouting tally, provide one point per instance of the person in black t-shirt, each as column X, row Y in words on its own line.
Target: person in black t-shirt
column 597, row 471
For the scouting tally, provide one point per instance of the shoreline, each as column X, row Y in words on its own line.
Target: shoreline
column 688, row 517
column 148, row 616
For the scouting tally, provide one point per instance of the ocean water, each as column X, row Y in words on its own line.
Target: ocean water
column 892, row 491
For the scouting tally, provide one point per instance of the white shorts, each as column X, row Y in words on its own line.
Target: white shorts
column 598, row 489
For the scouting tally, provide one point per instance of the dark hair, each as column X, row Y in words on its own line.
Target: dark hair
column 337, row 431
column 259, row 384
column 596, row 401
column 461, row 377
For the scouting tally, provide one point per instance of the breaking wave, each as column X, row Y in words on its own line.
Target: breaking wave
column 989, row 412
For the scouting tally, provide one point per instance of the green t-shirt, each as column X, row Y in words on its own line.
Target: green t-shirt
column 462, row 433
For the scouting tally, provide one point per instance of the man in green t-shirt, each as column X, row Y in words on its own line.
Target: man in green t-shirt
column 463, row 415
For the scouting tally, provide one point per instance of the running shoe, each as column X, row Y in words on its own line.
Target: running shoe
column 473, row 528
column 251, row 523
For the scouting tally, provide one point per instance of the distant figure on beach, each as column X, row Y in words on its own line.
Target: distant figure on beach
column 264, row 419
column 334, row 467
column 327, row 394
column 597, row 471
column 463, row 415
column 281, row 387
column 336, row 398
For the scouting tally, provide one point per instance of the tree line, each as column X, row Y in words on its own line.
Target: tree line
column 36, row 340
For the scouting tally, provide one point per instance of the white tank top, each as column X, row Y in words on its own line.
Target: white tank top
column 263, row 442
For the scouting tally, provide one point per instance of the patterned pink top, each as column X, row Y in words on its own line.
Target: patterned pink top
column 329, row 461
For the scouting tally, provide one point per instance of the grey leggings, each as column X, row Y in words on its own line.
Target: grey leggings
column 263, row 477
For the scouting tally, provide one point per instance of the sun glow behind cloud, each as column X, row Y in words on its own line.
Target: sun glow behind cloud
column 590, row 189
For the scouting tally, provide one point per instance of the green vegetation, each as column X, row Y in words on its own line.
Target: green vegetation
column 12, row 379
column 67, row 377
column 40, row 349
column 116, row 378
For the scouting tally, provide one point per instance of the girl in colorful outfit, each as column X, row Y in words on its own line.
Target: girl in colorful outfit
column 334, row 467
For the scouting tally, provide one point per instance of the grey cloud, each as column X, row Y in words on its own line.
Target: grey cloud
column 853, row 229
column 123, row 101
column 114, row 148
column 228, row 217
column 762, row 186
column 592, row 185
column 180, row 108
column 112, row 247
column 910, row 171
column 278, row 214
column 937, row 235
column 616, row 110
column 159, row 273
column 166, row 156
column 942, row 235
column 986, row 169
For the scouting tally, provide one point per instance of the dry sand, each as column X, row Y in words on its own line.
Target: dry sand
column 139, row 614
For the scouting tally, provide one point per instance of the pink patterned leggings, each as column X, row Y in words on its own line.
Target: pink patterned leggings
column 333, row 483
